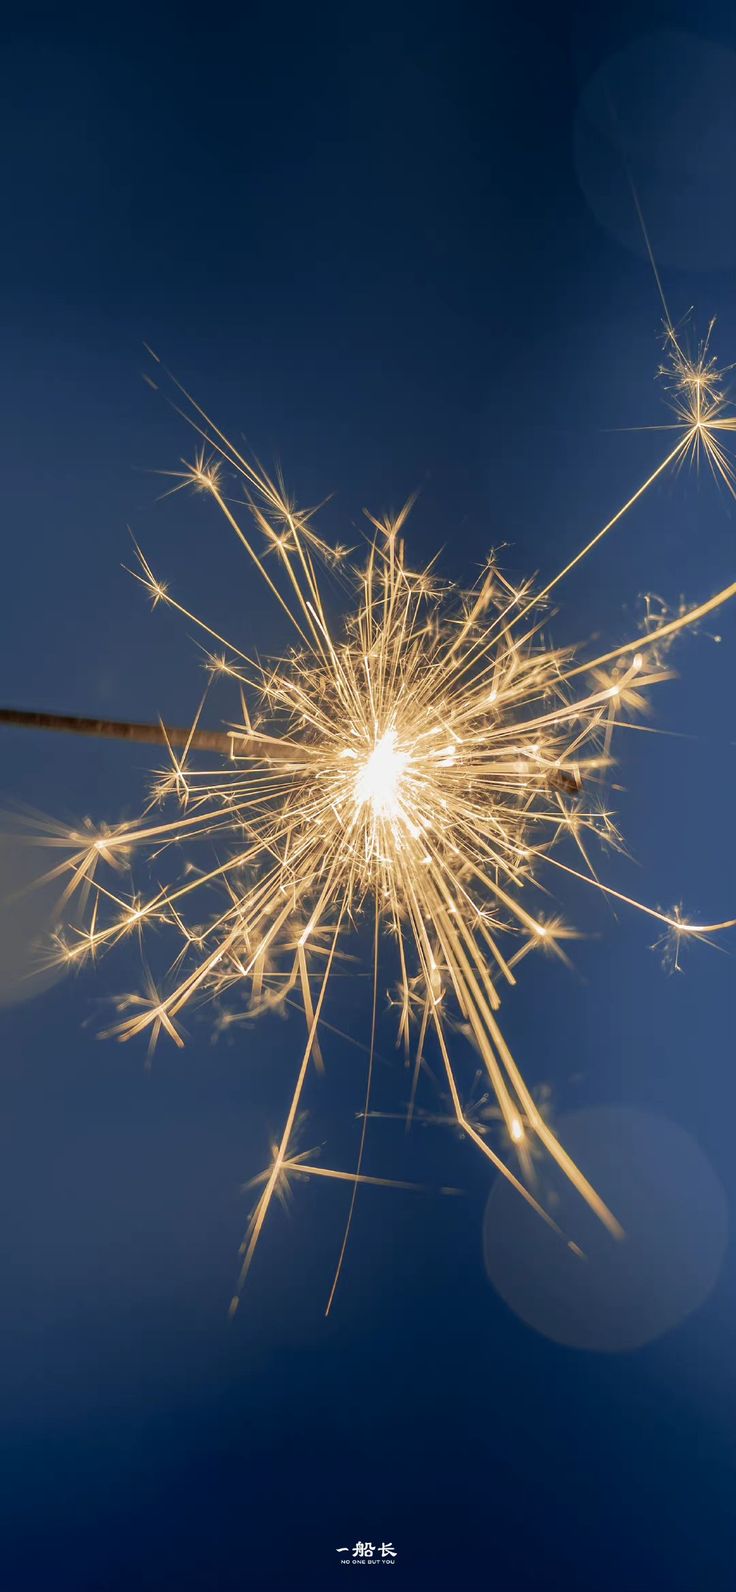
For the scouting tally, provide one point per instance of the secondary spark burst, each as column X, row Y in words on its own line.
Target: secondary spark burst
column 429, row 762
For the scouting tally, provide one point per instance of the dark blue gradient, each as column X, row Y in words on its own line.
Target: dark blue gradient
column 358, row 235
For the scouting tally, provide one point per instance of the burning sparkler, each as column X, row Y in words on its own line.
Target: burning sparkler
column 418, row 764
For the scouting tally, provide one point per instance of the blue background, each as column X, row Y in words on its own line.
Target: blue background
column 358, row 235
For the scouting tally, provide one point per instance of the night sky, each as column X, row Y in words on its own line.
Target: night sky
column 391, row 249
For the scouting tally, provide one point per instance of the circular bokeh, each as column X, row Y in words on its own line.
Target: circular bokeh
column 623, row 1292
column 661, row 115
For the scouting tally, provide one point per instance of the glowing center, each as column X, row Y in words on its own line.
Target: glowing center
column 379, row 780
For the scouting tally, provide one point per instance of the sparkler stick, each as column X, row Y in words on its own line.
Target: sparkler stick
column 233, row 743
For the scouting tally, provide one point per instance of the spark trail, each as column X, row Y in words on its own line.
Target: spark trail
column 421, row 761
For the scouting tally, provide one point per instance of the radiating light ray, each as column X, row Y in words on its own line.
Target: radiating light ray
column 364, row 1122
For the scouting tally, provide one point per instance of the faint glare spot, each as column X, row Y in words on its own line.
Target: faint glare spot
column 29, row 912
column 623, row 1293
column 664, row 111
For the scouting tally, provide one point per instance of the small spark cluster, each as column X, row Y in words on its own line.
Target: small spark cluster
column 427, row 763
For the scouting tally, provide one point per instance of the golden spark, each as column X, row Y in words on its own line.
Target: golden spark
column 428, row 761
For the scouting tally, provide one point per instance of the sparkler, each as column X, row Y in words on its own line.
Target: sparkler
column 429, row 762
